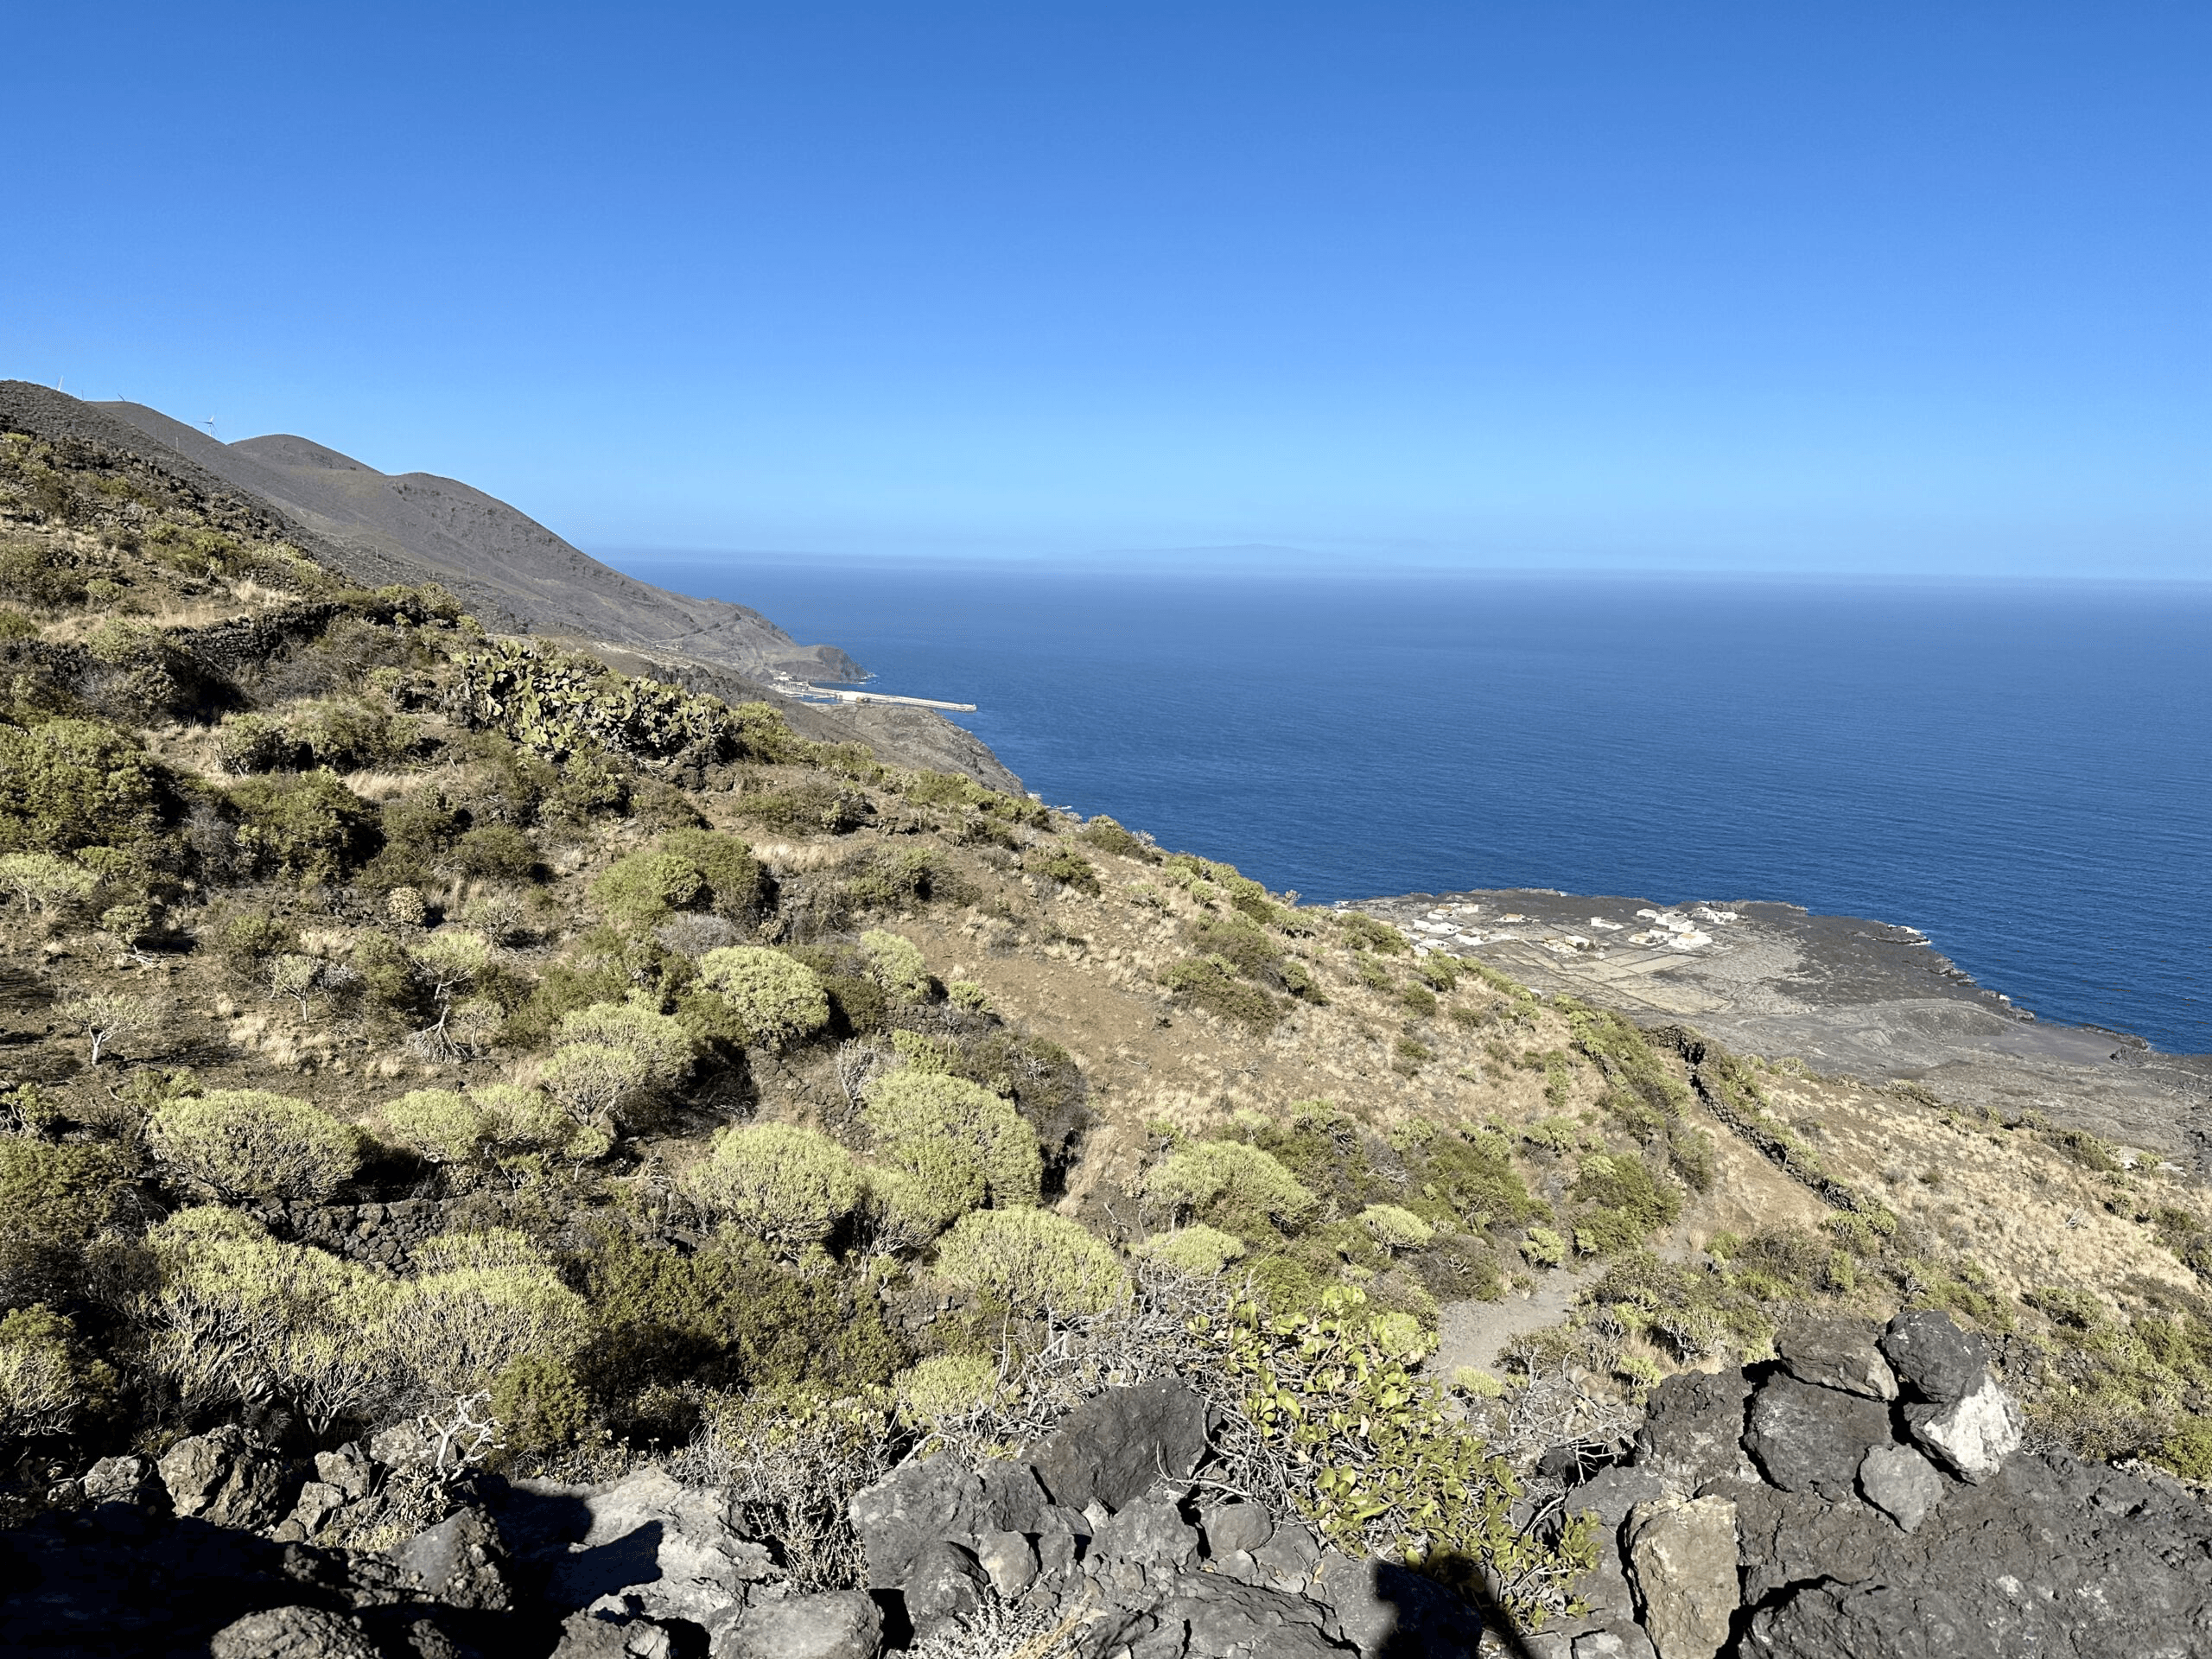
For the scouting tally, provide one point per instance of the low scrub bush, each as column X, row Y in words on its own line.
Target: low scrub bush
column 809, row 808
column 249, row 1143
column 45, row 881
column 1363, row 932
column 944, row 1385
column 308, row 827
column 786, row 1186
column 1033, row 1262
column 75, row 783
column 235, row 1315
column 479, row 1303
column 1066, row 867
column 967, row 1145
column 1195, row 1248
column 770, row 998
column 1396, row 1229
column 1229, row 1185
column 658, row 1040
column 1212, row 983
column 897, row 965
column 46, row 1383
column 1333, row 1425
column 1109, row 836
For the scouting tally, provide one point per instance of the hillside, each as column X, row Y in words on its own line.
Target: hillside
column 449, row 1082
column 418, row 527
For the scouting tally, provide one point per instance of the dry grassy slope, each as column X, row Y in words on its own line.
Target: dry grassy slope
column 2000, row 1213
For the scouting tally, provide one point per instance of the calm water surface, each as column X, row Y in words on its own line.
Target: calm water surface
column 2024, row 772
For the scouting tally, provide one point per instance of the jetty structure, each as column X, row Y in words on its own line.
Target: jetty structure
column 840, row 694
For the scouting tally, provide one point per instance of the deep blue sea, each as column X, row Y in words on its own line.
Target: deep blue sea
column 2023, row 770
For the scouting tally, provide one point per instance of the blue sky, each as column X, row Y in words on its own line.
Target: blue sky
column 1875, row 288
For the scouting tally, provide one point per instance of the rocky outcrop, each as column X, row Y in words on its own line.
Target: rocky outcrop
column 1784, row 1512
column 1104, row 1529
column 1866, row 1496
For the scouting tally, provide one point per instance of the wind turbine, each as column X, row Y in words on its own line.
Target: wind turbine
column 210, row 424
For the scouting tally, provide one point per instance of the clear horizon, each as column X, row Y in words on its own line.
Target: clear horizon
column 1600, row 287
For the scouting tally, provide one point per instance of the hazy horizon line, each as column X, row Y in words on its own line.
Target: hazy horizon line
column 1179, row 561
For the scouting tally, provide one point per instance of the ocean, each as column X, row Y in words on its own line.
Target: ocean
column 2022, row 770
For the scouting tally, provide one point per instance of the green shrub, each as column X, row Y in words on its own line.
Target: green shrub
column 1065, row 866
column 350, row 736
column 950, row 788
column 1363, row 932
column 74, row 783
column 2188, row 1449
column 1211, row 983
column 897, row 965
column 733, row 882
column 496, row 852
column 772, row 998
column 1624, row 1185
column 310, row 827
column 440, row 1126
column 236, row 1315
column 1032, row 1262
column 658, row 1040
column 1544, row 1248
column 1239, row 1188
column 45, row 881
column 46, row 1383
column 904, row 1209
column 14, row 624
column 248, row 1143
column 645, row 889
column 788, row 1187
column 728, row 1315
column 1109, row 836
column 900, row 879
column 37, row 575
column 1332, row 1391
column 482, row 1302
column 1196, row 1248
column 1396, row 1229
column 1473, row 1178
column 540, row 1406
column 807, row 809
column 590, row 1080
column 1240, row 941
column 519, row 1119
column 1461, row 1268
column 966, row 1144
column 944, row 1385
column 1438, row 969
column 59, row 1191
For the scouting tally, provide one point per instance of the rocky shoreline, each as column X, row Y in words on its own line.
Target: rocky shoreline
column 1848, row 996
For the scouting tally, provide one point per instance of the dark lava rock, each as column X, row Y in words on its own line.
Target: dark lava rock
column 1934, row 1360
column 1694, row 1427
column 2052, row 1557
column 945, row 1582
column 918, row 1505
column 460, row 1562
column 293, row 1633
column 1113, row 1446
column 224, row 1479
column 1813, row 1440
column 1837, row 1352
column 840, row 1624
